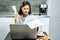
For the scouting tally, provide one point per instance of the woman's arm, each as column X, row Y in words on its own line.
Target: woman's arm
column 16, row 17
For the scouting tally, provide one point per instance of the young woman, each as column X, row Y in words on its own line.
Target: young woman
column 24, row 11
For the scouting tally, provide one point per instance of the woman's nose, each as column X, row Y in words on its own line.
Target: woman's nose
column 26, row 10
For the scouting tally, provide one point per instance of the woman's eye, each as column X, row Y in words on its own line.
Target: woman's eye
column 27, row 8
column 24, row 8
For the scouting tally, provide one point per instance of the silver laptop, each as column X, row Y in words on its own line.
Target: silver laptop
column 22, row 32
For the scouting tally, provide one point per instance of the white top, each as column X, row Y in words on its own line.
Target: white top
column 23, row 20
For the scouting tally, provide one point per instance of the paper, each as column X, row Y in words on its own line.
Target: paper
column 40, row 34
column 14, row 9
column 35, row 23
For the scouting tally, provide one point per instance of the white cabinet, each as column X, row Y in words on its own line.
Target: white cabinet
column 5, row 22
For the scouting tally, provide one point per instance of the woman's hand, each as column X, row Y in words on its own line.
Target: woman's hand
column 16, row 17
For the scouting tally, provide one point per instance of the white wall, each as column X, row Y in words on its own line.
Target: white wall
column 54, row 8
column 54, row 12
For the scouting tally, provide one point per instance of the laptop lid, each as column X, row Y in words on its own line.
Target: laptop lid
column 22, row 31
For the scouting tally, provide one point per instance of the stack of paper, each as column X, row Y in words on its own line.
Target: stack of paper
column 35, row 23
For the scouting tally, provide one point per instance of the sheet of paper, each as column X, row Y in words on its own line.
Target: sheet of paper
column 14, row 9
column 35, row 23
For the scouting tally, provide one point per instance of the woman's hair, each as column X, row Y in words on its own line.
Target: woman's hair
column 24, row 3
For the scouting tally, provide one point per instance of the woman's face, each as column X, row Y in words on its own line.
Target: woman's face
column 25, row 10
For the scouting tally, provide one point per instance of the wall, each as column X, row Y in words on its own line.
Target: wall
column 54, row 12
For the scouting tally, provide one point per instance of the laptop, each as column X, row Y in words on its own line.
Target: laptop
column 21, row 31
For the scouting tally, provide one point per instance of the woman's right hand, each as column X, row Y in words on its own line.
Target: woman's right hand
column 16, row 17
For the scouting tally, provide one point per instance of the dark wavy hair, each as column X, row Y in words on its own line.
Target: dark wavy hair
column 24, row 3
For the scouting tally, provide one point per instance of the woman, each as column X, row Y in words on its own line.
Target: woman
column 24, row 11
